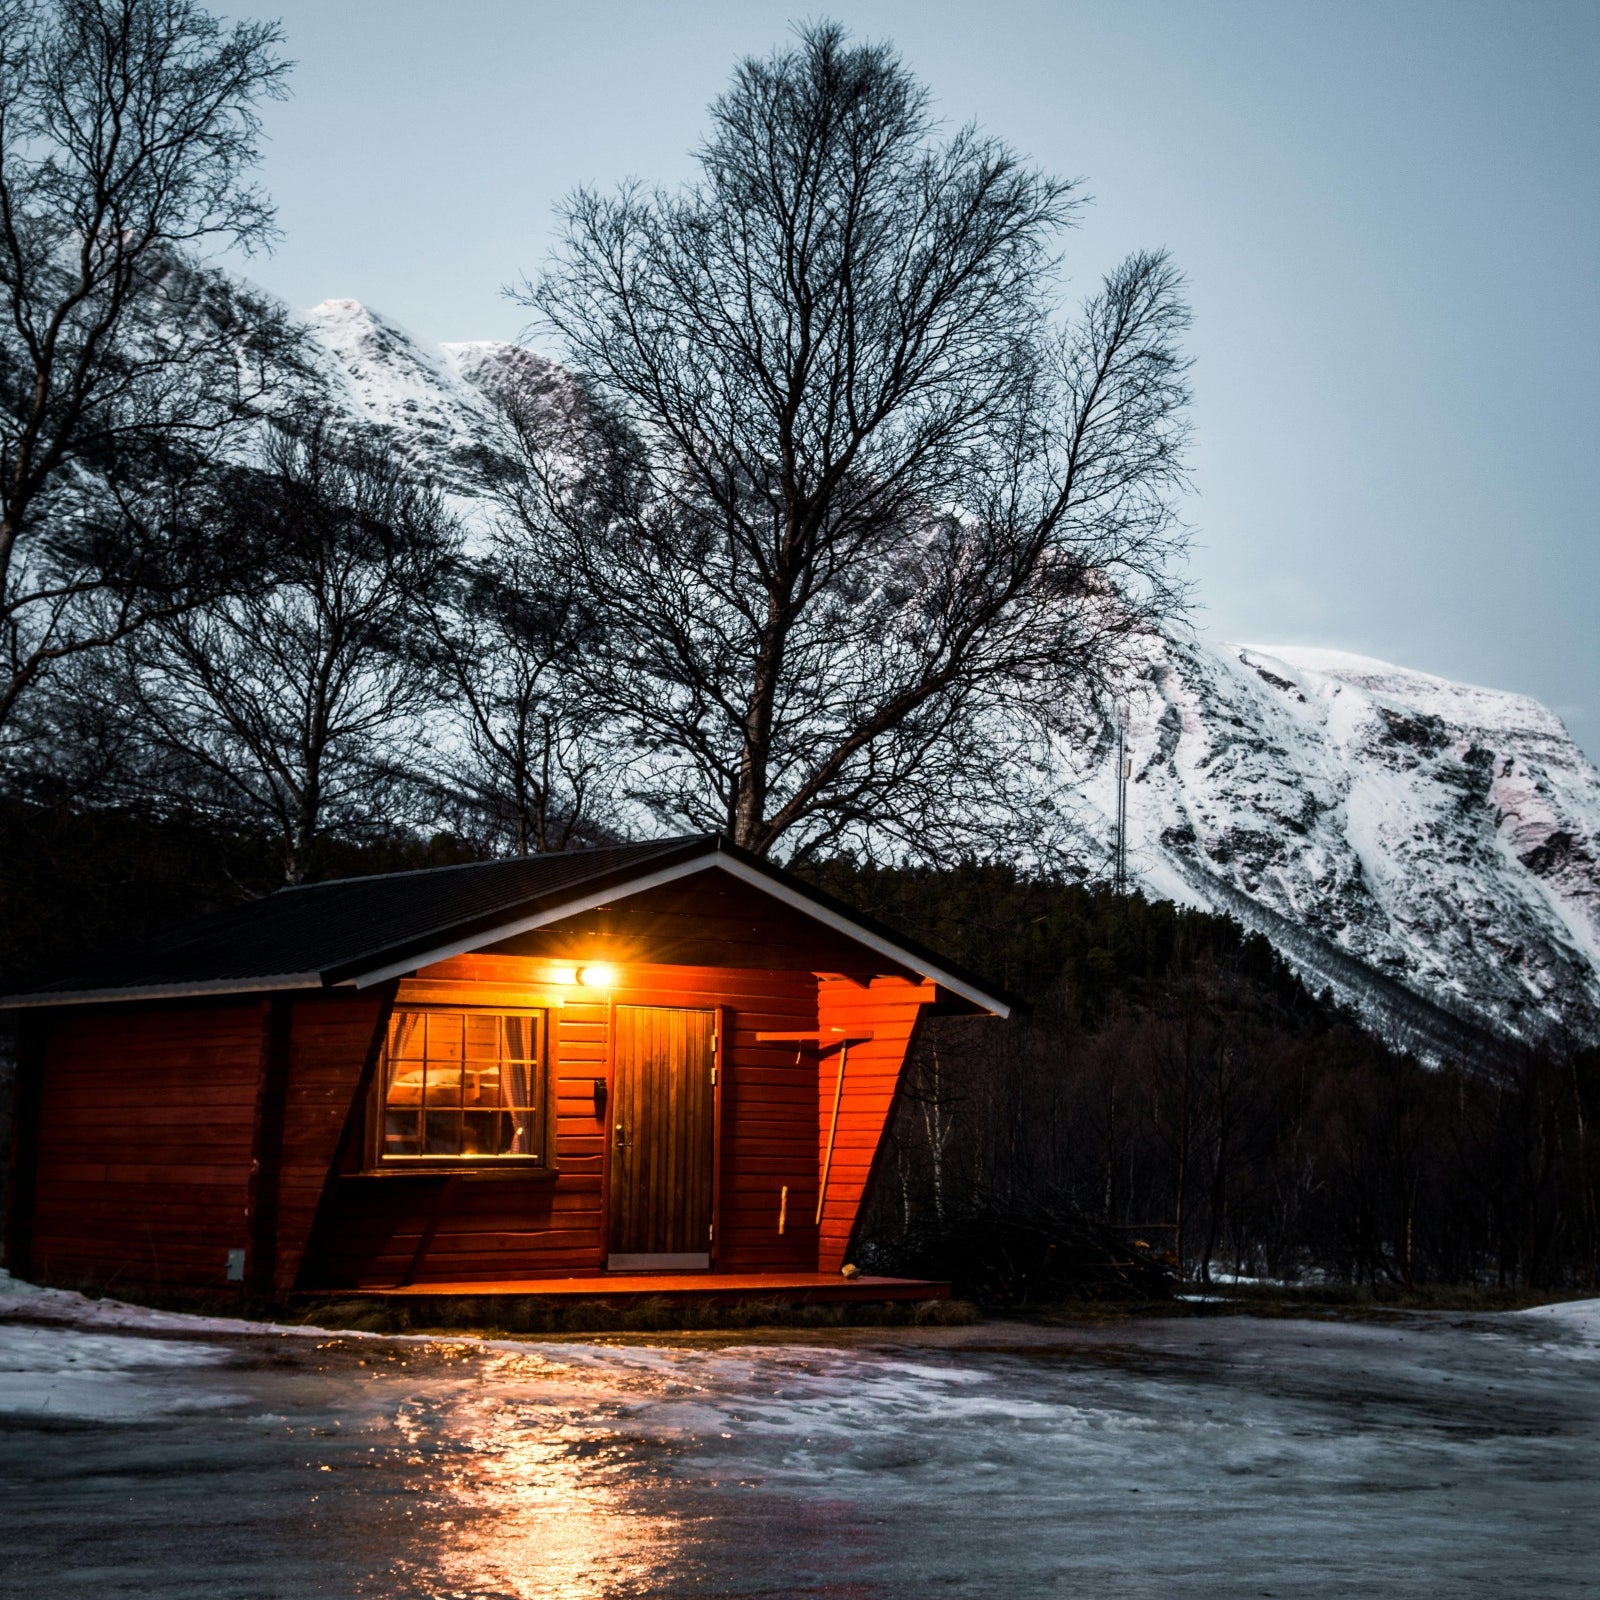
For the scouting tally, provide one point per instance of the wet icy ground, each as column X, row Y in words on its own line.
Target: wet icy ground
column 1201, row 1457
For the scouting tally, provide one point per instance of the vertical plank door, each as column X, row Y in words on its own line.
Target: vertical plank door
column 663, row 1147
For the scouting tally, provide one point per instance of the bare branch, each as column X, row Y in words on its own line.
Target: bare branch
column 853, row 498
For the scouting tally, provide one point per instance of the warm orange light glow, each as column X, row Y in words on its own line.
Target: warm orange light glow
column 600, row 975
column 563, row 975
column 521, row 1500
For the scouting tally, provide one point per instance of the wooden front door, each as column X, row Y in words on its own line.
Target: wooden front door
column 663, row 1139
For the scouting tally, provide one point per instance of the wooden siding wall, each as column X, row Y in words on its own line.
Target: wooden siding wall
column 144, row 1145
column 481, row 1228
column 152, row 1147
column 150, row 1157
column 887, row 1009
column 329, row 1040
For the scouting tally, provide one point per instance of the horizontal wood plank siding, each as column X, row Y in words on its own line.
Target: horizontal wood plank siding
column 328, row 1043
column 888, row 1009
column 146, row 1120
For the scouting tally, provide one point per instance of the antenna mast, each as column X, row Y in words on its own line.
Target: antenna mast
column 1119, row 875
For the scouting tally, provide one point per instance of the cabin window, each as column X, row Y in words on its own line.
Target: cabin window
column 463, row 1084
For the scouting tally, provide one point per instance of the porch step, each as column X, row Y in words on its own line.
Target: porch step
column 796, row 1288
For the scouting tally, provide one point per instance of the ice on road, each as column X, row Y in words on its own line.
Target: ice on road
column 150, row 1455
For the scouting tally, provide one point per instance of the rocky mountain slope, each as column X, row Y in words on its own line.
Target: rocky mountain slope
column 1428, row 849
column 1445, row 836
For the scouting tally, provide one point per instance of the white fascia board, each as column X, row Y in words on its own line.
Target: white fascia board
column 538, row 919
column 863, row 936
column 162, row 991
column 684, row 869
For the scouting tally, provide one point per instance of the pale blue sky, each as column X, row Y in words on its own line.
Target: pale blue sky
column 1389, row 215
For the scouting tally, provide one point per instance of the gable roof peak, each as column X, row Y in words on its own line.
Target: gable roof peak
column 361, row 931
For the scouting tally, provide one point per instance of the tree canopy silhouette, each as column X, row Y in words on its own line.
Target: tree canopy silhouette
column 863, row 507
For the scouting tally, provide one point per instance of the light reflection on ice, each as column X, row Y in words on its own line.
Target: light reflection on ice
column 1206, row 1458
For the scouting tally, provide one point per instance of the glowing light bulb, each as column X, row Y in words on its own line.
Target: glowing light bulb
column 600, row 975
column 563, row 975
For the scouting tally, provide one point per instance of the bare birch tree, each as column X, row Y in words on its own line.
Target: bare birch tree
column 128, row 131
column 861, row 509
column 295, row 701
column 525, row 757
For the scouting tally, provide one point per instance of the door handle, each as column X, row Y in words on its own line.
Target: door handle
column 620, row 1139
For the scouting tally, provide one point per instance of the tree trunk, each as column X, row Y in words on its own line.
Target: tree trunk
column 750, row 810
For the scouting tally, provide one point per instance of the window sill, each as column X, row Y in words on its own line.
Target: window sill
column 445, row 1168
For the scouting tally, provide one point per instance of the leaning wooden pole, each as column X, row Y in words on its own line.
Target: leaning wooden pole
column 833, row 1129
column 822, row 1039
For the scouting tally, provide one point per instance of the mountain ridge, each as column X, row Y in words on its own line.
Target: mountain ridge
column 1443, row 834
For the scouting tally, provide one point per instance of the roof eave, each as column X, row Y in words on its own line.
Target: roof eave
column 864, row 930
column 275, row 983
column 395, row 960
column 681, row 859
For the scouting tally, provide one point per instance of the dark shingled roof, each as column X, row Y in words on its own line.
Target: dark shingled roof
column 326, row 933
column 316, row 930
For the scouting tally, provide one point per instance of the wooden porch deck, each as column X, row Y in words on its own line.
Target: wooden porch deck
column 796, row 1288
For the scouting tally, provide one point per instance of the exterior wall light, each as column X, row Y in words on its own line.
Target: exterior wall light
column 563, row 975
column 599, row 976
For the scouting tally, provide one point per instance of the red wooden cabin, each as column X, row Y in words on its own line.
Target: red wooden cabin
column 636, row 1059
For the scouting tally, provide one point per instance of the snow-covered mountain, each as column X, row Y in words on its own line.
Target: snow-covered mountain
column 434, row 403
column 1445, row 836
column 1429, row 849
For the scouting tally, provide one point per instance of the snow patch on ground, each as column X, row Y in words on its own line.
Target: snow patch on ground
column 82, row 1360
column 100, row 1377
column 1580, row 1318
column 19, row 1298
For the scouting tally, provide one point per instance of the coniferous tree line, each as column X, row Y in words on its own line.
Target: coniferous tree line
column 1177, row 1086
